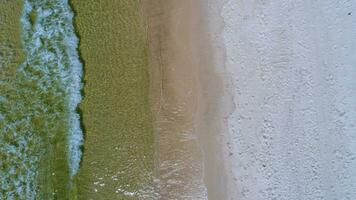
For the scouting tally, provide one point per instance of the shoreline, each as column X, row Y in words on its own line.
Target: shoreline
column 178, row 157
column 186, row 53
column 215, row 100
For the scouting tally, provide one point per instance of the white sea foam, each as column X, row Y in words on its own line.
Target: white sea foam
column 51, row 42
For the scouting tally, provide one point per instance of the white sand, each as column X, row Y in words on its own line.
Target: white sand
column 291, row 69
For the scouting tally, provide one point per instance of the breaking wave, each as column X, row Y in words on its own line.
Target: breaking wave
column 51, row 47
column 38, row 102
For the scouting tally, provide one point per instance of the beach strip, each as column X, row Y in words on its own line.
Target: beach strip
column 186, row 90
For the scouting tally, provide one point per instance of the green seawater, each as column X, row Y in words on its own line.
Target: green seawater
column 118, row 157
column 40, row 135
column 40, row 88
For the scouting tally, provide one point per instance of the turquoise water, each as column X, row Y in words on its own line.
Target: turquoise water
column 40, row 134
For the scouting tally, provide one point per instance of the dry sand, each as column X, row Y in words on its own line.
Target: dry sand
column 292, row 71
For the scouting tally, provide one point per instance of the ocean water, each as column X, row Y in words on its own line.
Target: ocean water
column 40, row 133
column 118, row 161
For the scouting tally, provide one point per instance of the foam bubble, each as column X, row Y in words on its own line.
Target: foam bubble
column 42, row 96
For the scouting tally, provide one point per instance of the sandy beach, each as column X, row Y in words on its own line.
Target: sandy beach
column 291, row 66
column 185, row 91
column 173, row 80
column 266, row 93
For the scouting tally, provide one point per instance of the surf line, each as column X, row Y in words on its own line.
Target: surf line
column 51, row 46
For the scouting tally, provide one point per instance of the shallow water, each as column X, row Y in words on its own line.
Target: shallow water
column 119, row 143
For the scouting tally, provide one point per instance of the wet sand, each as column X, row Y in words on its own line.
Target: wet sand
column 185, row 92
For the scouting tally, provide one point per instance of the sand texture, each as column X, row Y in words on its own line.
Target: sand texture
column 185, row 94
column 173, row 78
column 292, row 71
